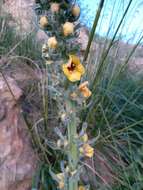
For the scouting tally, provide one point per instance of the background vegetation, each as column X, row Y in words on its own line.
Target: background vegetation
column 115, row 111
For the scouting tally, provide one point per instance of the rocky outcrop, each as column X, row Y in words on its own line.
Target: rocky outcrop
column 22, row 13
column 17, row 159
column 24, row 18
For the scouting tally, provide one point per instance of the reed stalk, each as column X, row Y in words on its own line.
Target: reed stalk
column 93, row 29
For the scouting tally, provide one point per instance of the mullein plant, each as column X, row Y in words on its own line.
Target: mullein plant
column 59, row 20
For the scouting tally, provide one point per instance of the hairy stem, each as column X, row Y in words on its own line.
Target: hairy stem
column 73, row 149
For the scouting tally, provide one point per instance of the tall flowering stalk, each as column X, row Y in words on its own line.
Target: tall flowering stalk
column 58, row 18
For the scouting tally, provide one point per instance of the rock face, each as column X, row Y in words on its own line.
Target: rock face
column 24, row 18
column 17, row 159
column 22, row 13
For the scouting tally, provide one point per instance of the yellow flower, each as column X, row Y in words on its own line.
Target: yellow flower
column 84, row 138
column 84, row 89
column 87, row 150
column 52, row 42
column 60, row 177
column 68, row 28
column 76, row 10
column 43, row 22
column 55, row 7
column 81, row 188
column 73, row 69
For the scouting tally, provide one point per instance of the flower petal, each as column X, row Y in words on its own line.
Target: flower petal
column 74, row 59
column 81, row 68
column 74, row 76
column 65, row 70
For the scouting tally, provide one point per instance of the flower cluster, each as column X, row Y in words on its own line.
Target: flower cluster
column 57, row 18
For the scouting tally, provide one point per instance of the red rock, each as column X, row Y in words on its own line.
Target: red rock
column 16, row 155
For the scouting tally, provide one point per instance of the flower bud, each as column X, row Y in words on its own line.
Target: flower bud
column 76, row 10
column 84, row 89
column 68, row 28
column 55, row 7
column 81, row 188
column 43, row 22
column 87, row 150
column 84, row 138
column 52, row 43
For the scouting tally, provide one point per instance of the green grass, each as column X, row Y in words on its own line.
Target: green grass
column 12, row 44
column 116, row 110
